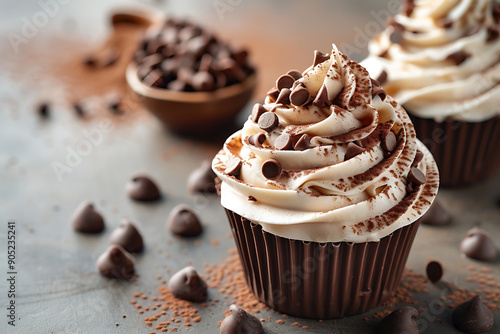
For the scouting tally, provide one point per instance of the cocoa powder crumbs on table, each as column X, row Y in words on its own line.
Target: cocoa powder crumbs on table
column 214, row 242
column 280, row 322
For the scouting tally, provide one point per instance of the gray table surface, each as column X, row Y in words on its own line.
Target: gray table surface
column 59, row 289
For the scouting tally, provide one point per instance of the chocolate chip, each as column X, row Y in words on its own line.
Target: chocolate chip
column 90, row 61
column 321, row 99
column 418, row 157
column 445, row 22
column 299, row 96
column 436, row 215
column 382, row 78
column 479, row 245
column 416, row 176
column 268, row 121
column 352, row 151
column 176, row 86
column 240, row 55
column 283, row 142
column 285, row 81
column 396, row 37
column 273, row 93
column 188, row 285
column 303, row 143
column 203, row 81
column 257, row 139
column 182, row 221
column 234, row 167
column 154, row 79
column 80, row 112
column 320, row 57
column 239, row 322
column 434, row 271
column 142, row 188
column 206, row 63
column 376, row 90
column 201, row 180
column 473, row 316
column 271, row 169
column 257, row 111
column 43, row 110
column 284, row 97
column 294, row 74
column 495, row 11
column 116, row 262
column 115, row 106
column 399, row 321
column 86, row 219
column 185, row 74
column 127, row 236
column 492, row 33
column 458, row 57
column 389, row 142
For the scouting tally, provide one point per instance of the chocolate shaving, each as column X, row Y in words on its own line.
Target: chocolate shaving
column 382, row 78
column 321, row 99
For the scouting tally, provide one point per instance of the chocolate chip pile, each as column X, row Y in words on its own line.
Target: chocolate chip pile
column 183, row 56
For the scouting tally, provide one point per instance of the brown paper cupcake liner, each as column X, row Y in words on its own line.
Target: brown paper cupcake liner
column 466, row 153
column 320, row 280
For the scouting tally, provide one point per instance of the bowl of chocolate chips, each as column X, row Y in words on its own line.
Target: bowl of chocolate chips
column 189, row 79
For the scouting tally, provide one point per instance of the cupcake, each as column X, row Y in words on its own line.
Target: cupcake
column 323, row 188
column 441, row 61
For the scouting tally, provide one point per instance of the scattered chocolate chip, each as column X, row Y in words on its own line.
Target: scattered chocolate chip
column 234, row 167
column 116, row 262
column 86, row 219
column 458, row 57
column 284, row 81
column 115, row 106
column 127, row 236
column 268, row 121
column 273, row 93
column 389, row 142
column 283, row 142
column 445, row 22
column 399, row 321
column 201, row 180
column 382, row 78
column 142, row 188
column 418, row 157
column 154, row 79
column 43, row 110
column 434, row 271
column 479, row 245
column 187, row 284
column 303, row 143
column 320, row 57
column 203, row 81
column 294, row 74
column 80, row 112
column 416, row 176
column 271, row 169
column 436, row 215
column 321, row 99
column 299, row 96
column 352, row 151
column 257, row 111
column 182, row 221
column 284, row 97
column 473, row 316
column 257, row 139
column 492, row 33
column 239, row 322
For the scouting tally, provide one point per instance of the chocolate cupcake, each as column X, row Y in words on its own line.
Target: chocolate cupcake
column 323, row 188
column 441, row 62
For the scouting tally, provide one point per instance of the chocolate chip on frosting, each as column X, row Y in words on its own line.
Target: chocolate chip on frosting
column 284, row 97
column 492, row 33
column 116, row 262
column 86, row 219
column 458, row 57
column 257, row 111
column 142, row 188
column 271, row 169
column 418, row 157
column 382, row 78
column 398, row 29
column 283, row 142
column 240, row 322
column 268, row 121
column 407, row 7
column 320, row 57
column 353, row 150
column 473, row 316
column 303, row 143
column 273, row 93
column 379, row 91
column 257, row 139
column 234, row 167
column 299, row 96
column 127, row 236
column 187, row 284
column 445, row 22
column 479, row 245
column 182, row 221
column 294, row 74
column 321, row 99
column 416, row 176
column 389, row 142
column 284, row 81
column 399, row 321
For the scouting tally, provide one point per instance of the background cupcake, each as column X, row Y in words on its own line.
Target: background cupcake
column 440, row 60
column 323, row 187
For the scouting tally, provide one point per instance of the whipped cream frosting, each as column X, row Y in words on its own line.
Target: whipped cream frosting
column 320, row 194
column 441, row 59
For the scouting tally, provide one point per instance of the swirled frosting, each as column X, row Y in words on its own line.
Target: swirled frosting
column 441, row 59
column 341, row 178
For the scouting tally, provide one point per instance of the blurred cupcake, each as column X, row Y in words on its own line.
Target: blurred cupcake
column 441, row 61
column 323, row 188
